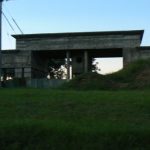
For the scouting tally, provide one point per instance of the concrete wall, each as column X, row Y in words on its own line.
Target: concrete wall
column 44, row 83
column 132, row 54
column 33, row 83
column 144, row 52
column 19, row 60
column 16, row 58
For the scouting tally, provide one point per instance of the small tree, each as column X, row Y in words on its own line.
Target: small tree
column 95, row 66
column 56, row 69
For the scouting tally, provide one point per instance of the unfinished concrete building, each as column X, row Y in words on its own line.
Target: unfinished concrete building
column 29, row 59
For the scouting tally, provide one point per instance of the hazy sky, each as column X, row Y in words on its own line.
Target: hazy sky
column 48, row 16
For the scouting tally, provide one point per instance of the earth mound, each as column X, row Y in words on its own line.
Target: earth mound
column 135, row 75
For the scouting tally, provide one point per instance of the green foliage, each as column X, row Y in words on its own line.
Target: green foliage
column 71, row 120
column 54, row 68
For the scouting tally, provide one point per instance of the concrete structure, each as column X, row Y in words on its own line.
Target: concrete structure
column 30, row 58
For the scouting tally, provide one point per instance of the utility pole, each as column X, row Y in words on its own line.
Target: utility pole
column 1, row 1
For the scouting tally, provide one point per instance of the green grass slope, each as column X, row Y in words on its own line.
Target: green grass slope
column 36, row 119
column 134, row 76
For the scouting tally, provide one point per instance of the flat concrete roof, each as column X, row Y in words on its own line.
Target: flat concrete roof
column 71, row 34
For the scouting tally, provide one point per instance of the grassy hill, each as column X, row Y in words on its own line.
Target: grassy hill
column 74, row 120
column 94, row 119
column 134, row 76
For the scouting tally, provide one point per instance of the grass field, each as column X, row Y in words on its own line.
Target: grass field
column 44, row 119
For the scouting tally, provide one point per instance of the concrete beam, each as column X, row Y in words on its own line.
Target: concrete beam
column 78, row 41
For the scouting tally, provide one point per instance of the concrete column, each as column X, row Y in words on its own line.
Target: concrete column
column 85, row 61
column 68, row 64
column 130, row 55
column 22, row 73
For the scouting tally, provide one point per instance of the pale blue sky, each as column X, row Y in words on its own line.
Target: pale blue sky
column 48, row 16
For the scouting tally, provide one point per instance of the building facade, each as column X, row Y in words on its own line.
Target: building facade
column 33, row 51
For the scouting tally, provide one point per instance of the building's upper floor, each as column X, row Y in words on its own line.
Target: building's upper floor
column 79, row 40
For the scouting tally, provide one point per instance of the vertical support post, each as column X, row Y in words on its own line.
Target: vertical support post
column 22, row 73
column 85, row 61
column 68, row 64
column 0, row 40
